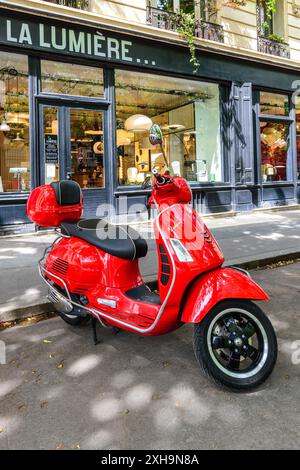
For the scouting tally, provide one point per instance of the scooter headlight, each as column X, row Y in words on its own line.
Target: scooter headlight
column 181, row 252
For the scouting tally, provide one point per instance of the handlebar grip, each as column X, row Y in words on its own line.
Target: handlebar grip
column 159, row 178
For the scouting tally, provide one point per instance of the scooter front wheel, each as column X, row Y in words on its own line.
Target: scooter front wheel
column 235, row 344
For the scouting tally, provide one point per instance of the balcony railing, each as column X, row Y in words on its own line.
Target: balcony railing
column 161, row 19
column 170, row 20
column 273, row 47
column 80, row 4
column 210, row 31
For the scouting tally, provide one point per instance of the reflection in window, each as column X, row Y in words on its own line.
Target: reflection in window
column 274, row 104
column 14, row 123
column 274, row 151
column 71, row 79
column 188, row 113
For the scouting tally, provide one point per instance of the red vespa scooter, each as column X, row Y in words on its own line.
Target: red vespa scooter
column 92, row 272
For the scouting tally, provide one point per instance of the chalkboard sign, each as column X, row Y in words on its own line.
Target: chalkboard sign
column 51, row 149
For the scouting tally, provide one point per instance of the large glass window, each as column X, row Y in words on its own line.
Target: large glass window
column 14, row 123
column 189, row 115
column 71, row 79
column 274, row 151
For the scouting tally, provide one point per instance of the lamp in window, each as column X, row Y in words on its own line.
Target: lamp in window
column 4, row 127
column 138, row 123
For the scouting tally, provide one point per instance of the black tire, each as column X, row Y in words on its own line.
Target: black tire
column 221, row 362
column 74, row 320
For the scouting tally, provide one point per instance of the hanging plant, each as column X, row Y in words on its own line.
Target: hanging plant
column 186, row 28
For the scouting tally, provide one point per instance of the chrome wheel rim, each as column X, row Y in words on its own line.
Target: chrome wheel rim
column 237, row 343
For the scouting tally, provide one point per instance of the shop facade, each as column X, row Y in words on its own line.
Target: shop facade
column 70, row 97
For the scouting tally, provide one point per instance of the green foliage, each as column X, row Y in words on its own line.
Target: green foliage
column 186, row 28
column 274, row 37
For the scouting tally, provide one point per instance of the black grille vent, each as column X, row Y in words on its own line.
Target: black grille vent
column 165, row 266
column 60, row 266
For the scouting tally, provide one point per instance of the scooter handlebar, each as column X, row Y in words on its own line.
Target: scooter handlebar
column 159, row 178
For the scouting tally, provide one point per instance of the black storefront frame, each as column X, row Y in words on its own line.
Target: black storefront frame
column 256, row 76
column 107, row 102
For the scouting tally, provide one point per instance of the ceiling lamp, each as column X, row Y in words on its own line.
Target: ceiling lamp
column 4, row 127
column 138, row 123
column 123, row 138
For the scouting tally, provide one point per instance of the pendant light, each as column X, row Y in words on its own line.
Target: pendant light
column 138, row 123
column 4, row 127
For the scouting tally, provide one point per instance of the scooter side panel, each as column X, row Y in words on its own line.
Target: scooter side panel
column 215, row 286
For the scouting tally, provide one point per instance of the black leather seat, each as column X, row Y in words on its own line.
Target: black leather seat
column 120, row 241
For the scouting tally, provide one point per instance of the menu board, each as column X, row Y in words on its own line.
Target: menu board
column 51, row 149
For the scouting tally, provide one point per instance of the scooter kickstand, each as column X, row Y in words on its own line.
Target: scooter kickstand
column 94, row 326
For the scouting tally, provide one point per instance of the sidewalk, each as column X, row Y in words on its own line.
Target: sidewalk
column 245, row 238
column 59, row 391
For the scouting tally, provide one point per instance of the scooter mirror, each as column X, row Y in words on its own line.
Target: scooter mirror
column 156, row 138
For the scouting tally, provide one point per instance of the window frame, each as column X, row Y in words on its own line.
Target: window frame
column 276, row 119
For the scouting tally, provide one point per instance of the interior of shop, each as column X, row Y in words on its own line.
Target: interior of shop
column 188, row 114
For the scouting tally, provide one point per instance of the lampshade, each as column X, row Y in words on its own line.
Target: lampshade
column 4, row 127
column 123, row 137
column 138, row 123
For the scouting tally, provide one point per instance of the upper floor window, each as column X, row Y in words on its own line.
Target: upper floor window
column 265, row 19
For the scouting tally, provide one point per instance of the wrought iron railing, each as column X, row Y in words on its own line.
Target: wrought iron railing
column 210, row 31
column 170, row 21
column 80, row 4
column 161, row 19
column 273, row 47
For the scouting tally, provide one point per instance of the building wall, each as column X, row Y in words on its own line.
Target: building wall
column 239, row 23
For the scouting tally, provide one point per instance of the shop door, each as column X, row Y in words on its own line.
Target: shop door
column 72, row 147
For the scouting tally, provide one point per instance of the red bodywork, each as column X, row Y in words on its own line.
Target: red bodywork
column 43, row 209
column 188, row 289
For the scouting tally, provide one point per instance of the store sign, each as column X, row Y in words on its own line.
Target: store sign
column 51, row 148
column 54, row 38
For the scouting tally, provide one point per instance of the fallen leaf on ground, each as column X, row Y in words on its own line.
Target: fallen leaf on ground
column 60, row 446
column 76, row 446
column 43, row 404
column 1, row 430
column 50, row 356
column 60, row 366
column 47, row 341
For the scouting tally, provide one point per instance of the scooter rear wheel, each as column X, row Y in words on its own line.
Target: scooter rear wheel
column 235, row 345
column 74, row 320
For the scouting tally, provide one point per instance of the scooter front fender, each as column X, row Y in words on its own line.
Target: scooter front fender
column 215, row 286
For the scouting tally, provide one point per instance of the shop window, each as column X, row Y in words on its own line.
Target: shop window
column 87, row 149
column 274, row 151
column 14, row 123
column 274, row 104
column 189, row 115
column 71, row 79
column 298, row 135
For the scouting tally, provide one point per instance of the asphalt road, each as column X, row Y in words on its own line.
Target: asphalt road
column 59, row 391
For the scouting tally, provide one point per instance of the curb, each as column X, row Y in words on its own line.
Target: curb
column 42, row 310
